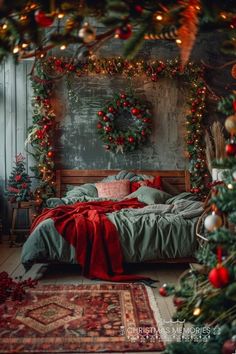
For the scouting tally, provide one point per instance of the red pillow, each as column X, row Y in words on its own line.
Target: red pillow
column 153, row 183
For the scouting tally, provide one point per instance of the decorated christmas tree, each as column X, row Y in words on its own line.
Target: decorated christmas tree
column 19, row 183
column 206, row 295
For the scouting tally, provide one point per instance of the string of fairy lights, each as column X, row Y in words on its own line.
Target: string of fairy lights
column 44, row 120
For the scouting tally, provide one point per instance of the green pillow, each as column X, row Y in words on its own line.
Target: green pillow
column 149, row 195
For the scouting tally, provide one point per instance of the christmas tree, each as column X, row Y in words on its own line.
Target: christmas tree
column 206, row 295
column 19, row 183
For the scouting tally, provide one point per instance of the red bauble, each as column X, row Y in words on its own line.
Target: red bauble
column 43, row 19
column 124, row 32
column 24, row 185
column 111, row 109
column 106, row 119
column 46, row 101
column 123, row 96
column 110, row 138
column 131, row 139
column 219, row 276
column 50, row 154
column 18, row 178
column 118, row 103
column 120, row 140
column 99, row 126
column 108, row 129
column 229, row 347
column 101, row 113
column 46, row 127
column 230, row 149
column 126, row 104
column 163, row 291
column 135, row 111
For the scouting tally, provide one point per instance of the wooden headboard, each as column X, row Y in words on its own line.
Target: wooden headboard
column 180, row 179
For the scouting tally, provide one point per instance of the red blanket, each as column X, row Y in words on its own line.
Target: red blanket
column 95, row 238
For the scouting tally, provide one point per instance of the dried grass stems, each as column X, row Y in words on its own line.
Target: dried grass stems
column 215, row 144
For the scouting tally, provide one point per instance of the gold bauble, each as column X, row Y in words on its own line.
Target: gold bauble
column 230, row 124
column 233, row 71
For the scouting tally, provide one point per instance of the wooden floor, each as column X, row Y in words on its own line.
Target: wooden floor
column 61, row 274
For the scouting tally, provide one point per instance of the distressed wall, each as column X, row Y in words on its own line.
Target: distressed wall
column 78, row 144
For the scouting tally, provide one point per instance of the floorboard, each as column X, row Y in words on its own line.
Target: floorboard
column 64, row 274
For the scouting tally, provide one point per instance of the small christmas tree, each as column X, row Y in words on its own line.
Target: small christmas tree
column 19, row 183
column 206, row 295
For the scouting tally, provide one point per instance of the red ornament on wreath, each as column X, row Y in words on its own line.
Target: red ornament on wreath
column 229, row 346
column 135, row 123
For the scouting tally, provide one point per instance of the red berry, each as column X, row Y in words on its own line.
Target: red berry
column 108, row 128
column 99, row 126
column 123, row 96
column 138, row 9
column 135, row 111
column 126, row 104
column 101, row 113
column 106, row 119
column 143, row 132
column 111, row 109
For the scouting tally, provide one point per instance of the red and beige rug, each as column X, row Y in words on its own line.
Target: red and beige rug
column 81, row 318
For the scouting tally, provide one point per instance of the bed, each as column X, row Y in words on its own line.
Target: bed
column 158, row 232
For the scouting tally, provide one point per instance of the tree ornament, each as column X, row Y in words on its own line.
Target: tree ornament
column 219, row 276
column 233, row 71
column 137, row 132
column 230, row 124
column 18, row 178
column 124, row 32
column 229, row 346
column 213, row 222
column 230, row 149
column 138, row 9
column 163, row 290
column 43, row 19
column 87, row 33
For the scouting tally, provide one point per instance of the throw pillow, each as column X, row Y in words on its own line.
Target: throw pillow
column 149, row 195
column 114, row 189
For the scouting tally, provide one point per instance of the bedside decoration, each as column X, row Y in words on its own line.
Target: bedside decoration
column 19, row 182
column 134, row 119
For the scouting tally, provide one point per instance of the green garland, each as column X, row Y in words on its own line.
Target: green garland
column 41, row 132
column 116, row 139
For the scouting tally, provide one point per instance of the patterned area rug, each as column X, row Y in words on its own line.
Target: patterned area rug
column 81, row 318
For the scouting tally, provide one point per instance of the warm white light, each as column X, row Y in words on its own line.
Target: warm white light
column 16, row 49
column 60, row 15
column 197, row 311
column 178, row 41
column 24, row 45
column 4, row 26
column 159, row 17
column 63, row 47
column 230, row 186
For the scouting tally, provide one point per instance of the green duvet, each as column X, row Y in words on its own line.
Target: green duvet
column 157, row 231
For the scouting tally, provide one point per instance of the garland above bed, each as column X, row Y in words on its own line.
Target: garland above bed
column 43, row 78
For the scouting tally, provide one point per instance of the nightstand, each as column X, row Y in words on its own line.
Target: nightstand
column 30, row 209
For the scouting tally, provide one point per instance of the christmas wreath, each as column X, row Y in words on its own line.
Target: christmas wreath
column 124, row 123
